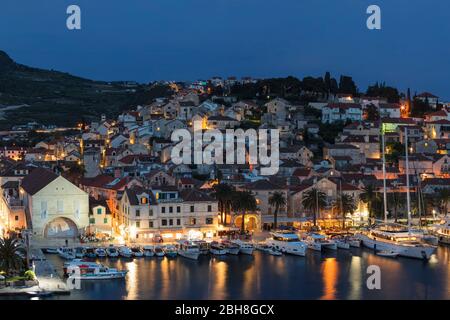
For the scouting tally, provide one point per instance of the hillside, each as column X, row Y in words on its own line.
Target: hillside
column 52, row 97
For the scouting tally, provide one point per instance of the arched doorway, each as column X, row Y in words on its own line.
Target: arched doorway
column 61, row 228
column 251, row 222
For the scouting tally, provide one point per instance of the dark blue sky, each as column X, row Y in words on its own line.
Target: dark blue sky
column 147, row 40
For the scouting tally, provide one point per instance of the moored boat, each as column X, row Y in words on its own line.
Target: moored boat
column 287, row 242
column 66, row 253
column 442, row 231
column 80, row 252
column 90, row 253
column 159, row 252
column 148, row 251
column 388, row 253
column 244, row 246
column 112, row 252
column 217, row 249
column 100, row 252
column 317, row 242
column 230, row 247
column 170, row 251
column 125, row 252
column 188, row 250
column 137, row 252
column 93, row 271
column 275, row 252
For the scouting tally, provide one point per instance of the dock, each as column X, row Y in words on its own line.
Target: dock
column 50, row 282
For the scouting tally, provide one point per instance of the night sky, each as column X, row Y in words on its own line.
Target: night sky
column 146, row 40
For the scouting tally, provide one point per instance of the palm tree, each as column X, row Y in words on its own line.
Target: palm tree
column 369, row 196
column 444, row 198
column 243, row 201
column 314, row 200
column 345, row 204
column 276, row 200
column 223, row 193
column 11, row 252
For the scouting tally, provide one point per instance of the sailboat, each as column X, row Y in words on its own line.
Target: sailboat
column 392, row 237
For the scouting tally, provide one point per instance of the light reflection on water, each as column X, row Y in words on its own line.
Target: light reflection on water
column 326, row 275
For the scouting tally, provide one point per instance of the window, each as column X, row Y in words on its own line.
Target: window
column 150, row 212
column 59, row 206
column 43, row 209
column 192, row 209
column 16, row 218
column 105, row 220
column 209, row 220
column 150, row 224
column 138, row 213
column 209, row 208
column 164, row 222
column 163, row 209
column 138, row 224
column 178, row 209
column 170, row 209
column 92, row 220
column 170, row 222
column 144, row 200
column 192, row 221
column 99, row 210
column 178, row 222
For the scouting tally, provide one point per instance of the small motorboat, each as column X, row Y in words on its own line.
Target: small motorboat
column 51, row 250
column 275, row 252
column 262, row 246
column 203, row 246
column 244, row 247
column 217, row 249
column 80, row 252
column 170, row 251
column 189, row 250
column 388, row 253
column 148, row 251
column 112, row 252
column 137, row 252
column 342, row 243
column 66, row 253
column 93, row 271
column 125, row 252
column 231, row 248
column 354, row 242
column 159, row 252
column 100, row 252
column 90, row 253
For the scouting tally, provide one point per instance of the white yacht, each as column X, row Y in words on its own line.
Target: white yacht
column 395, row 238
column 80, row 252
column 442, row 231
column 188, row 250
column 390, row 237
column 217, row 249
column 287, row 242
column 244, row 246
column 317, row 242
column 66, row 253
column 231, row 247
column 93, row 271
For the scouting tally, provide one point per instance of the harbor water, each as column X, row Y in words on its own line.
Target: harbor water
column 338, row 274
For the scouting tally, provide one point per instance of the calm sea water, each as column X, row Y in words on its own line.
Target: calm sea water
column 326, row 275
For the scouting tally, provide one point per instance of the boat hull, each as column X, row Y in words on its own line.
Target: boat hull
column 297, row 250
column 189, row 255
column 417, row 252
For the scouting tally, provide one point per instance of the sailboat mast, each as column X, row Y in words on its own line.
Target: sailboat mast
column 408, row 198
column 384, row 176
